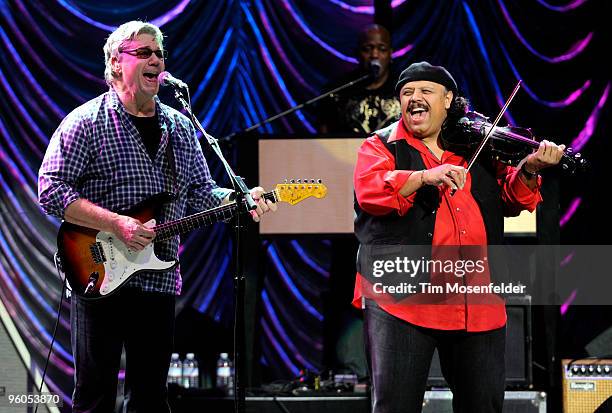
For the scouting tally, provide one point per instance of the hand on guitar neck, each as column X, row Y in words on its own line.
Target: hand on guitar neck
column 263, row 205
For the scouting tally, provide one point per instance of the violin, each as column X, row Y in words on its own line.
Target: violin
column 498, row 140
column 507, row 144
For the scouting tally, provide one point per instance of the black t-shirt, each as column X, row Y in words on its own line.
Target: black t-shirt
column 357, row 109
column 150, row 132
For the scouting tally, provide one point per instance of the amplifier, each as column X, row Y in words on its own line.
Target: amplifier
column 518, row 347
column 587, row 384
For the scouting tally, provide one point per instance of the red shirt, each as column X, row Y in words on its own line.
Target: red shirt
column 458, row 222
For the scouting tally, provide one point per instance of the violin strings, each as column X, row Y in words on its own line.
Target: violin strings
column 494, row 125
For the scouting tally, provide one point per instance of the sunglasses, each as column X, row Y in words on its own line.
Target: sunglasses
column 145, row 53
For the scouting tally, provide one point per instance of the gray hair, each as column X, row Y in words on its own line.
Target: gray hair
column 124, row 33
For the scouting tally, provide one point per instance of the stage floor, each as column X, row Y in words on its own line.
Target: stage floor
column 436, row 401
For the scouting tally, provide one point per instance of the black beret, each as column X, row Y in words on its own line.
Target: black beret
column 425, row 71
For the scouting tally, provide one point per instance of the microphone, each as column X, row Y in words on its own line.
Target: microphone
column 166, row 79
column 375, row 68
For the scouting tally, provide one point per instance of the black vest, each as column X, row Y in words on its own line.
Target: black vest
column 417, row 226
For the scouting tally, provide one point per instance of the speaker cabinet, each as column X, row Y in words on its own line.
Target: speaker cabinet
column 518, row 347
column 13, row 375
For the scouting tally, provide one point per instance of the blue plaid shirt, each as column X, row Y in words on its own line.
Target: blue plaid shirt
column 97, row 154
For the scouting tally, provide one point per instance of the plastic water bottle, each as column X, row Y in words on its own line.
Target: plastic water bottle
column 225, row 374
column 191, row 372
column 176, row 370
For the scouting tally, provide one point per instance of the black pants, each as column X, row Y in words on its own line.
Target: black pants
column 399, row 357
column 144, row 324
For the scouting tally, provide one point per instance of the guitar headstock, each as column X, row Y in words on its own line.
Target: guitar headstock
column 296, row 191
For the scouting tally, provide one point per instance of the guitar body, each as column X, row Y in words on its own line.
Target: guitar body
column 96, row 263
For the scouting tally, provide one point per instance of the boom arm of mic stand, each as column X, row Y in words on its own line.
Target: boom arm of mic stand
column 242, row 192
column 237, row 182
column 297, row 107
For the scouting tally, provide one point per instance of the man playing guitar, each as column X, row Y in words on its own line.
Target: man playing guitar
column 108, row 155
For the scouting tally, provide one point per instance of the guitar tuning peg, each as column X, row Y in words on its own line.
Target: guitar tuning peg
column 285, row 181
column 292, row 181
column 305, row 181
column 312, row 181
column 299, row 181
column 318, row 181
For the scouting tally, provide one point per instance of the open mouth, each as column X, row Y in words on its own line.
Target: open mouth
column 151, row 77
column 418, row 113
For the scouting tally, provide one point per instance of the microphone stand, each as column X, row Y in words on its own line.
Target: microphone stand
column 242, row 193
column 242, row 196
column 239, row 280
column 298, row 107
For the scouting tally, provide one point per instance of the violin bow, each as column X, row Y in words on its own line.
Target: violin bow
column 493, row 126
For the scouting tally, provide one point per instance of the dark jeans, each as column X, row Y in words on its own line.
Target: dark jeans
column 399, row 357
column 144, row 324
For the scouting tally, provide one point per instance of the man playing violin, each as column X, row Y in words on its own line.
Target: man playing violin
column 397, row 168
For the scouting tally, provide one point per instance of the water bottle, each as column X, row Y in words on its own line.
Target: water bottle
column 191, row 372
column 225, row 375
column 176, row 370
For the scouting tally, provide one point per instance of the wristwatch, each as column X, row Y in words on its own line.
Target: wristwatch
column 528, row 175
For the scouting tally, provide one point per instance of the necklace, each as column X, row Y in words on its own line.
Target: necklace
column 432, row 152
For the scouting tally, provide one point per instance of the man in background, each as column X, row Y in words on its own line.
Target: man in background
column 368, row 105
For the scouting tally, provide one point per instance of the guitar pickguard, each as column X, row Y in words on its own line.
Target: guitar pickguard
column 121, row 262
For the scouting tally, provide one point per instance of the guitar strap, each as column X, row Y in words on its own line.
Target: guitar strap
column 172, row 165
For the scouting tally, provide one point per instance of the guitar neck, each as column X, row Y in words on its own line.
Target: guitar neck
column 223, row 212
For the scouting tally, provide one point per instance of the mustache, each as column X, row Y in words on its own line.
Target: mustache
column 417, row 105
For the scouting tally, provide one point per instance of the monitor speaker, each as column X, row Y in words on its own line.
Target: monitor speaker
column 15, row 379
column 13, row 375
column 518, row 347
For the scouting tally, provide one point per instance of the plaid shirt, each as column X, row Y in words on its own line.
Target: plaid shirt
column 97, row 154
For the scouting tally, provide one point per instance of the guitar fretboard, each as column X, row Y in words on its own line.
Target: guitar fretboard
column 221, row 213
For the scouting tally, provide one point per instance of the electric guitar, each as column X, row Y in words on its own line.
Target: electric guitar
column 96, row 263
